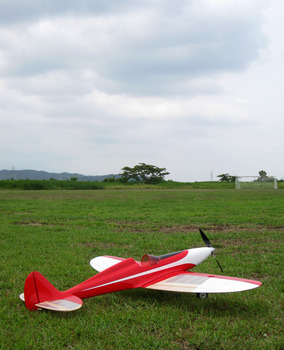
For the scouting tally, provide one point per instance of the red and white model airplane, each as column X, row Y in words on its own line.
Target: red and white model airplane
column 165, row 272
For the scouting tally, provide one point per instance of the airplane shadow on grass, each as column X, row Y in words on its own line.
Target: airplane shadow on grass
column 137, row 300
column 219, row 304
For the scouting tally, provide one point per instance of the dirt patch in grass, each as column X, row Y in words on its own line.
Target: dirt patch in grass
column 238, row 228
column 257, row 242
column 104, row 245
column 96, row 245
column 121, row 226
column 178, row 229
column 32, row 223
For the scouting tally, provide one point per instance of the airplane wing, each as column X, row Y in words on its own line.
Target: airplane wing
column 101, row 263
column 192, row 282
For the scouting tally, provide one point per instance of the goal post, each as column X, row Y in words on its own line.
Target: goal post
column 255, row 182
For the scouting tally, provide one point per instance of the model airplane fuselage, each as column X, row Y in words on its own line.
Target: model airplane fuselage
column 166, row 272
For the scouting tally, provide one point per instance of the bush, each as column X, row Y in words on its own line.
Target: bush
column 50, row 184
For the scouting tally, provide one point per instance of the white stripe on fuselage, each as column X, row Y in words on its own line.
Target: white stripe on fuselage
column 199, row 254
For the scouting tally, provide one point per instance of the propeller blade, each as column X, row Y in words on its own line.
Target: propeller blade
column 218, row 263
column 208, row 244
column 205, row 238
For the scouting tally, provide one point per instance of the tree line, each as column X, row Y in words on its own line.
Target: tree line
column 262, row 177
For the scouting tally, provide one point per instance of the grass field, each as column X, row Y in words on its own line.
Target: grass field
column 58, row 232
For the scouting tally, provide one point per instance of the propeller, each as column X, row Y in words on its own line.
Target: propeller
column 208, row 244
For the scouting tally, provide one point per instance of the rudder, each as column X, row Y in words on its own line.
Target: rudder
column 38, row 289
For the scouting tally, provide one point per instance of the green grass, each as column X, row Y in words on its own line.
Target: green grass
column 58, row 232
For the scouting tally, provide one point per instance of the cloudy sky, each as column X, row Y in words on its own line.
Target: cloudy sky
column 90, row 86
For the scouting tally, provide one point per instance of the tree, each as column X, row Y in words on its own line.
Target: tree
column 144, row 173
column 262, row 176
column 227, row 178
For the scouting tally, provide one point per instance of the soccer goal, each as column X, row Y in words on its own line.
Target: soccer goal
column 255, row 182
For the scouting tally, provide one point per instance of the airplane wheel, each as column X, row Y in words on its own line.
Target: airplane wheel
column 202, row 295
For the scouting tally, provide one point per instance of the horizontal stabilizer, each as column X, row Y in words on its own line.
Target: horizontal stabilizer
column 191, row 282
column 70, row 303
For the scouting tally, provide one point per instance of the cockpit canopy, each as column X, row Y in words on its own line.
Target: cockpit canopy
column 150, row 260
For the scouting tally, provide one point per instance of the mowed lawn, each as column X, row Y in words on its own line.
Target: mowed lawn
column 58, row 232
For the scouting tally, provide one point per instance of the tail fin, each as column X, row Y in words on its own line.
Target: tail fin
column 40, row 293
column 38, row 289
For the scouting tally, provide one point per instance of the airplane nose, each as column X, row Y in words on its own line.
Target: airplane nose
column 197, row 255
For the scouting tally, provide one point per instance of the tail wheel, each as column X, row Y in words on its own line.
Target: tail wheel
column 202, row 295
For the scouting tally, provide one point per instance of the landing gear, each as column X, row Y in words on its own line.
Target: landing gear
column 202, row 295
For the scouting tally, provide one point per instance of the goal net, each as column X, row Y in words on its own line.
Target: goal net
column 255, row 182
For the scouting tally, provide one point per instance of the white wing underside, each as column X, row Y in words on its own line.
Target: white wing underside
column 190, row 282
column 101, row 263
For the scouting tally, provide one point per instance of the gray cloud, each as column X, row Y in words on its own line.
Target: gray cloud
column 119, row 82
column 147, row 52
column 15, row 12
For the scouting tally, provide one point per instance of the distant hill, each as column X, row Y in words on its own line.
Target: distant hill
column 44, row 175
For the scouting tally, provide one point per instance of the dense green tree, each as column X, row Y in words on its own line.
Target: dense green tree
column 262, row 177
column 143, row 173
column 227, row 178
